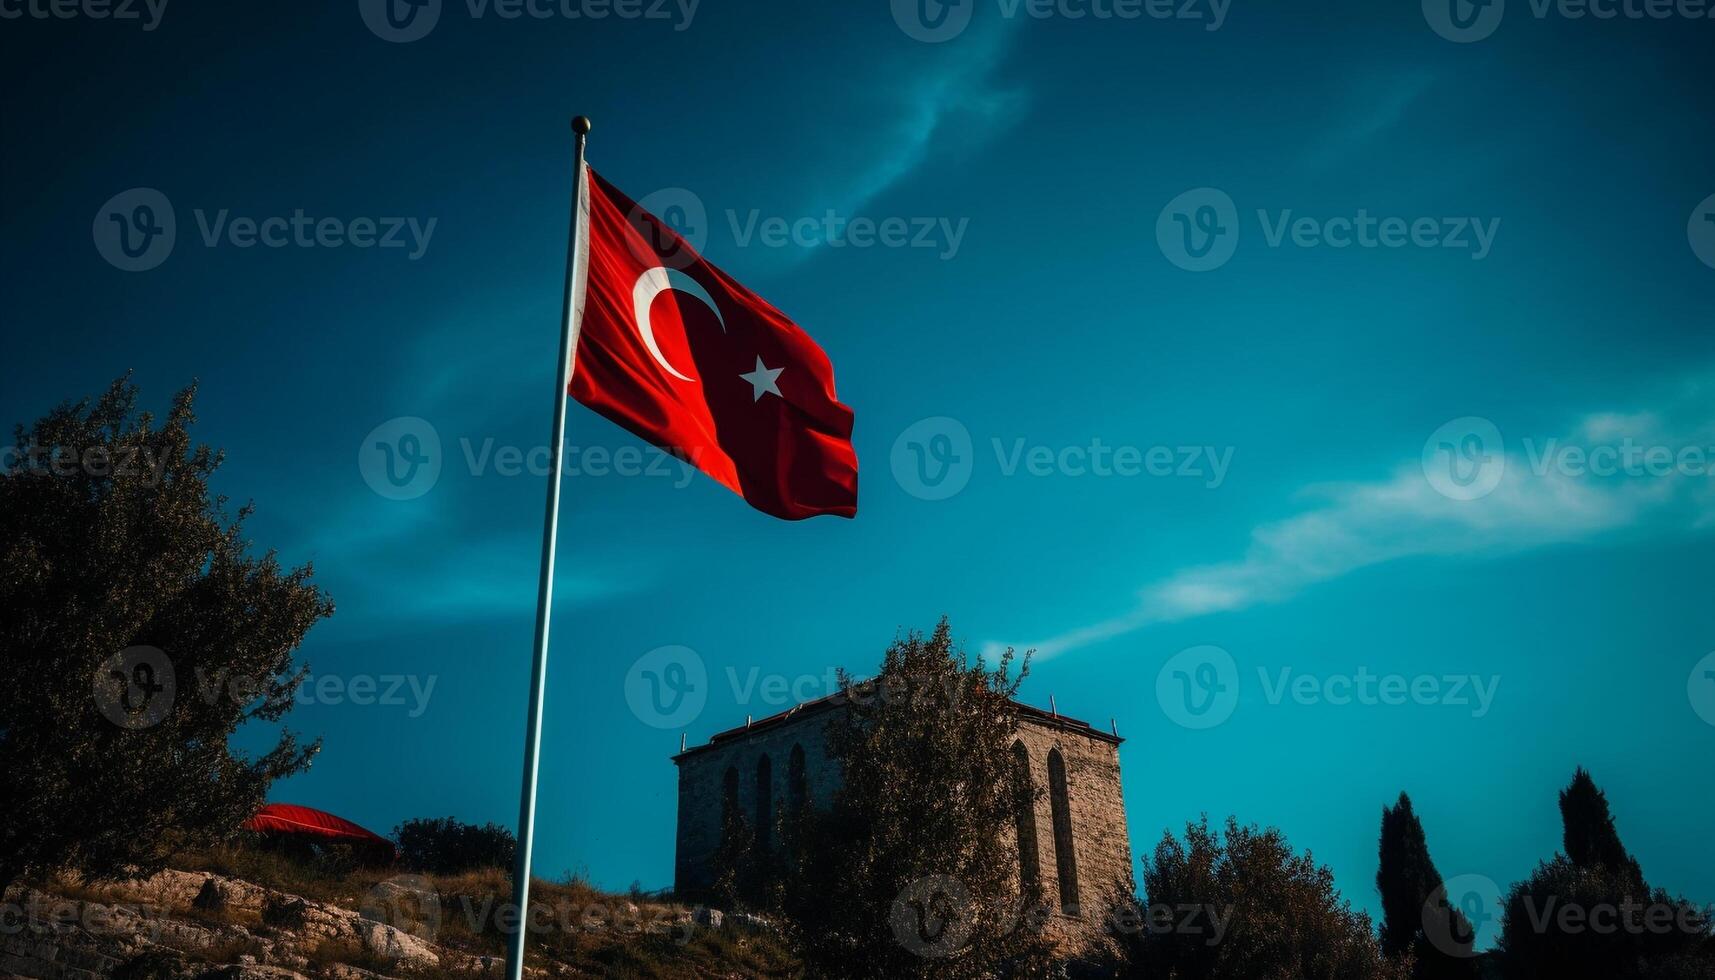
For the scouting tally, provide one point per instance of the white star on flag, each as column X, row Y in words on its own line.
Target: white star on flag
column 762, row 381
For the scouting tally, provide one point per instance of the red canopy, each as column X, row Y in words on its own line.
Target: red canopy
column 283, row 818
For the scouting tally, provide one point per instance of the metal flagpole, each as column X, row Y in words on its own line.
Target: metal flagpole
column 545, row 586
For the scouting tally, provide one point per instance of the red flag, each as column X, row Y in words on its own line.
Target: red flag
column 679, row 353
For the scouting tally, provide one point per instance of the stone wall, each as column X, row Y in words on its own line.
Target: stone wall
column 1101, row 851
column 1101, row 845
column 702, row 775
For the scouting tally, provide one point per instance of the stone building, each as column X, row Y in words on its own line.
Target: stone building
column 1073, row 841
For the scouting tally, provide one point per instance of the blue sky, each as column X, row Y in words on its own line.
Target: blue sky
column 1045, row 167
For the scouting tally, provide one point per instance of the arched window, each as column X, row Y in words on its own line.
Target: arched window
column 764, row 802
column 1065, row 859
column 1029, row 870
column 797, row 787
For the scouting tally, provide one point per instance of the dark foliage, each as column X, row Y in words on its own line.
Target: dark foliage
column 739, row 882
column 909, row 874
column 445, row 846
column 1416, row 918
column 1261, row 912
column 1590, row 839
column 109, row 540
column 1590, row 913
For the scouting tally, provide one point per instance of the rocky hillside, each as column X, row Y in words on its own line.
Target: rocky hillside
column 202, row 925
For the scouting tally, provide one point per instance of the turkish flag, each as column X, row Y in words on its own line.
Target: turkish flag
column 679, row 353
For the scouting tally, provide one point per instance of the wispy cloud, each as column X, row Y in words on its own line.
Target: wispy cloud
column 1545, row 496
column 920, row 104
column 469, row 549
column 394, row 565
column 960, row 87
column 468, row 581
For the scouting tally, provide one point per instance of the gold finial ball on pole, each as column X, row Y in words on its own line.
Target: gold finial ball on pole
column 581, row 125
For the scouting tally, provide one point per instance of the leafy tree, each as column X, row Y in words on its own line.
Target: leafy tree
column 910, row 873
column 113, row 758
column 1590, row 913
column 446, row 846
column 1245, row 907
column 1416, row 918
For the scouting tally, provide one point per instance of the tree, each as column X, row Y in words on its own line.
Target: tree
column 1590, row 838
column 140, row 633
column 1247, row 908
column 1590, row 913
column 910, row 872
column 446, row 846
column 1416, row 918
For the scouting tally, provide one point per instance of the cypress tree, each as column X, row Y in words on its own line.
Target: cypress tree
column 1591, row 841
column 1416, row 918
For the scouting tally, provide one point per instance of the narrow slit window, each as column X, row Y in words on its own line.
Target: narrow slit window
column 1065, row 856
column 764, row 802
column 1029, row 870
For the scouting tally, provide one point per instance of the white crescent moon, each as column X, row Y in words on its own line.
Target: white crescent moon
column 653, row 283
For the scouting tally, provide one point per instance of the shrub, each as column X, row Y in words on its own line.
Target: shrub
column 1264, row 913
column 446, row 846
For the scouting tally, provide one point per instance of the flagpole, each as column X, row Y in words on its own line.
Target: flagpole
column 545, row 585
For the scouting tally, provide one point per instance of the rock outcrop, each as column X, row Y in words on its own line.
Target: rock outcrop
column 181, row 925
